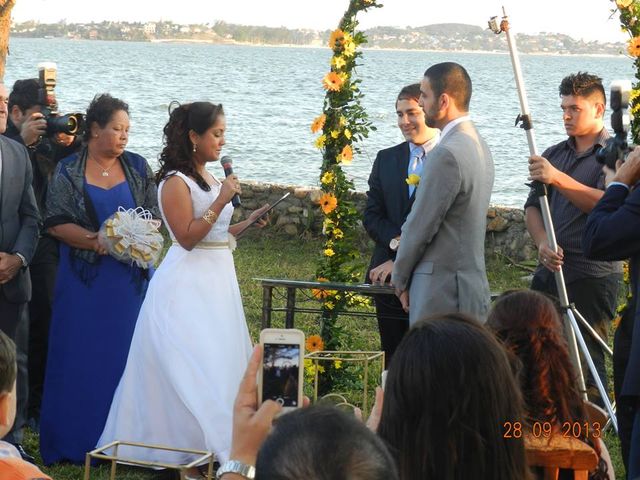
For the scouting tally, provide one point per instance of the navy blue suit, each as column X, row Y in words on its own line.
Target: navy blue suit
column 388, row 205
column 613, row 233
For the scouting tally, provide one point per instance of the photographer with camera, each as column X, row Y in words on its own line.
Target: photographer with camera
column 575, row 180
column 612, row 232
column 29, row 124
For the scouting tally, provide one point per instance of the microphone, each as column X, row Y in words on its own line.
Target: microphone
column 227, row 165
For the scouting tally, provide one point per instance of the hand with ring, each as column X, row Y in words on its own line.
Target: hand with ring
column 551, row 260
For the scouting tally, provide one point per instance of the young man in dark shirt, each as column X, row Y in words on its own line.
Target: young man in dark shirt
column 576, row 184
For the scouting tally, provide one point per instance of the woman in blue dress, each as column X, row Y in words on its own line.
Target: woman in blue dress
column 96, row 298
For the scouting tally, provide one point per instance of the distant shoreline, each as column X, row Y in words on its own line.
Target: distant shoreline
column 311, row 46
column 426, row 50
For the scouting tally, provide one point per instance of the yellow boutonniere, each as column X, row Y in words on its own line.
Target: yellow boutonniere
column 413, row 179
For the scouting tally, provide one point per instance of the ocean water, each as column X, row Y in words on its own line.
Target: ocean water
column 272, row 94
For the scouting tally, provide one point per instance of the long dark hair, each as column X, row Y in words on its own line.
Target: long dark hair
column 449, row 392
column 529, row 325
column 177, row 151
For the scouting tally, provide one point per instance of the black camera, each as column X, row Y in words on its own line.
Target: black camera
column 71, row 123
column 617, row 147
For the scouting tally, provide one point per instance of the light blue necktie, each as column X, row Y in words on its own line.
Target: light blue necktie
column 416, row 165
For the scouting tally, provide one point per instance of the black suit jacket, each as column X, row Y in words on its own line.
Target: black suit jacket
column 613, row 233
column 19, row 217
column 388, row 202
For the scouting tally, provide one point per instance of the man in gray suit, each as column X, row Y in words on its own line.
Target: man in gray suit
column 440, row 265
column 19, row 229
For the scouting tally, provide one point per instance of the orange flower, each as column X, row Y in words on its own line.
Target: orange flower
column 633, row 47
column 332, row 81
column 318, row 292
column 346, row 156
column 623, row 3
column 328, row 203
column 336, row 35
column 314, row 343
column 318, row 123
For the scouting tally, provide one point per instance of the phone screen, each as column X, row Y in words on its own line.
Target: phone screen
column 280, row 368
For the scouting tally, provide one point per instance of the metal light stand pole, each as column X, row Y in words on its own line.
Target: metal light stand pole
column 571, row 325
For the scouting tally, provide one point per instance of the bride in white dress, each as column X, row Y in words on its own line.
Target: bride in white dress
column 191, row 344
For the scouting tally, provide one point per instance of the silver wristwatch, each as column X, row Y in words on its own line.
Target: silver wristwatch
column 394, row 243
column 234, row 466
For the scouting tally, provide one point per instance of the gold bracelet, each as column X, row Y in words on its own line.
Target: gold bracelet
column 210, row 217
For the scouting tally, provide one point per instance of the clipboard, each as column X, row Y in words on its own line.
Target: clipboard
column 271, row 207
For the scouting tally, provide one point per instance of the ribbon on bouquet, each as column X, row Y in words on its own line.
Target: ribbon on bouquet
column 132, row 236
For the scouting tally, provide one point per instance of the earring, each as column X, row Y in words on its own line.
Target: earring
column 195, row 148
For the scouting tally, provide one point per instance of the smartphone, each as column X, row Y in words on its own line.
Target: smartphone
column 281, row 375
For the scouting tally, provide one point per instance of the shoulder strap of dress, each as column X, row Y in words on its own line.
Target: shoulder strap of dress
column 190, row 183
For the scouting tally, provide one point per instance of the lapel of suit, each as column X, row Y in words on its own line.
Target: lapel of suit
column 7, row 166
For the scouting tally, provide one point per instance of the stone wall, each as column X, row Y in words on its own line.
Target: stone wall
column 300, row 214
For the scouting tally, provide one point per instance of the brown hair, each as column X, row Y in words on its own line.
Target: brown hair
column 528, row 323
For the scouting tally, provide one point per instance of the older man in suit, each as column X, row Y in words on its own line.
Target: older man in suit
column 19, row 227
column 389, row 200
column 440, row 262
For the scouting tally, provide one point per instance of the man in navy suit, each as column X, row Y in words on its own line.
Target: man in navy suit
column 612, row 232
column 389, row 201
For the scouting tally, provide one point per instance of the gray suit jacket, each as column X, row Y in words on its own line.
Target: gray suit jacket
column 19, row 217
column 441, row 254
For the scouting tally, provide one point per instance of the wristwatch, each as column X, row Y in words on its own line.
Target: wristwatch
column 394, row 243
column 235, row 466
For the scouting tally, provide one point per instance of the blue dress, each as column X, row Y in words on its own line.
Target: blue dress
column 91, row 330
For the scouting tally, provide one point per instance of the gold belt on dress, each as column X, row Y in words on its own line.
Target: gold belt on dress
column 209, row 245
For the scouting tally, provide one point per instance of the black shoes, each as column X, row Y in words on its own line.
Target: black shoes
column 25, row 456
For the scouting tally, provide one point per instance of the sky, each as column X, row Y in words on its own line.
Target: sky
column 581, row 19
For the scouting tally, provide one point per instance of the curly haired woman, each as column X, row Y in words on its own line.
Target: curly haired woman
column 191, row 343
column 529, row 325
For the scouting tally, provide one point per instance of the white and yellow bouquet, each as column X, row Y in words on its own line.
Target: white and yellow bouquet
column 132, row 236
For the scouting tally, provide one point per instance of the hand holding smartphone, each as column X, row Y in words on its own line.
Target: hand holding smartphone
column 281, row 376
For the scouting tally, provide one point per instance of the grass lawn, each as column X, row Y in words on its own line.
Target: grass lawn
column 280, row 257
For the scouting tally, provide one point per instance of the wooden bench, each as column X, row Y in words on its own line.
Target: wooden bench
column 560, row 452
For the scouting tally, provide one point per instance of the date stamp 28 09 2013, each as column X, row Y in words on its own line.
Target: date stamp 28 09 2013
column 546, row 429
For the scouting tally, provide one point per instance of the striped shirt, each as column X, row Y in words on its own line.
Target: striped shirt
column 568, row 220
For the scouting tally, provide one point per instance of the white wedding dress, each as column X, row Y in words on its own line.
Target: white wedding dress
column 189, row 351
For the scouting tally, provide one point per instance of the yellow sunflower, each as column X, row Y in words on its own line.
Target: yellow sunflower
column 318, row 123
column 329, row 252
column 328, row 203
column 336, row 35
column 338, row 62
column 335, row 133
column 633, row 47
column 319, row 143
column 623, row 3
column 337, row 233
column 349, row 48
column 346, row 156
column 327, row 178
column 314, row 343
column 332, row 81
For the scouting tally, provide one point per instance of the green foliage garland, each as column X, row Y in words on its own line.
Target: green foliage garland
column 343, row 123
